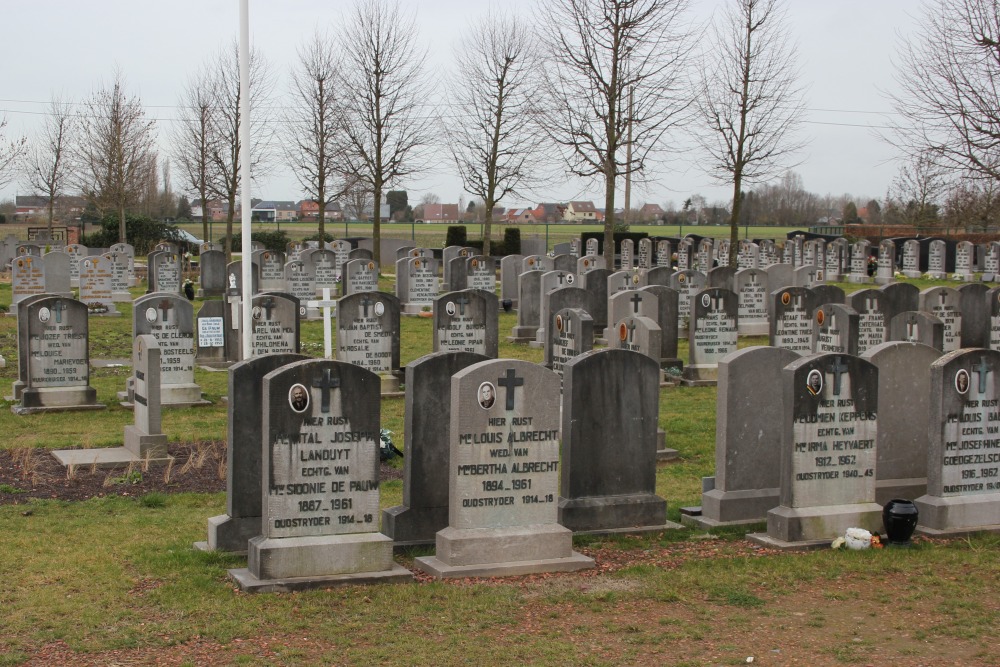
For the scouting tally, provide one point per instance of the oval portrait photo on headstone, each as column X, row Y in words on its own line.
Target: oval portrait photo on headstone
column 786, row 299
column 298, row 398
column 706, row 300
column 371, row 266
column 814, row 382
column 820, row 317
column 487, row 395
column 635, row 279
column 379, row 309
column 151, row 314
column 570, row 278
column 559, row 322
column 962, row 381
column 450, row 308
column 256, row 312
column 622, row 331
column 44, row 314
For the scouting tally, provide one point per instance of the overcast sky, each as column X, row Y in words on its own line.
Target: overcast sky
column 71, row 47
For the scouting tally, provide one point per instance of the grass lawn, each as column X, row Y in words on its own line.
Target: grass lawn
column 115, row 580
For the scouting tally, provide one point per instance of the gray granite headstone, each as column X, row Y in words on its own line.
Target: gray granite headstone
column 503, row 476
column 571, row 333
column 637, row 334
column 945, row 304
column 914, row 326
column 538, row 263
column 993, row 309
column 466, row 321
column 722, row 276
column 120, row 281
column 991, row 262
column 860, row 254
column 360, row 275
column 828, row 450
column 964, row 252
column 779, row 276
column 911, row 259
column 712, row 334
column 234, row 279
column 27, row 278
column 834, row 261
column 56, row 267
column 427, row 418
column 589, row 263
column 627, row 255
column 748, row 255
column 368, row 334
column 301, row 285
column 936, row 266
column 886, row 271
column 835, row 329
column 211, row 335
column 422, row 284
column 963, row 462
column 128, row 251
column 595, row 281
column 456, row 272
column 76, row 253
column 274, row 320
column 807, row 275
column 609, row 421
column 528, row 307
column 270, row 267
column 645, row 253
column 58, row 359
column 244, row 444
column 899, row 297
column 550, row 280
column 165, row 273
column 829, row 294
column 212, row 265
column 631, row 303
column 792, row 319
column 144, row 438
column 23, row 343
column 751, row 290
column 510, row 268
column 666, row 319
column 664, row 254
column 169, row 318
column 687, row 283
column 658, row 275
column 480, row 273
column 747, row 438
column 975, row 315
column 904, row 388
column 872, row 307
column 563, row 262
column 320, row 481
column 592, row 247
column 96, row 277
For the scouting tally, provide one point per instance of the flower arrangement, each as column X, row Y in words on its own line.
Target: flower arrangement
column 858, row 539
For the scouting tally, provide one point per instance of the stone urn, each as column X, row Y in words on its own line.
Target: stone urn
column 899, row 517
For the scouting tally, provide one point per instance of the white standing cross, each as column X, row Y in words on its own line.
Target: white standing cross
column 326, row 303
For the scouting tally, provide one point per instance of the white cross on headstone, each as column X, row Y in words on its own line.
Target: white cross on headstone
column 326, row 303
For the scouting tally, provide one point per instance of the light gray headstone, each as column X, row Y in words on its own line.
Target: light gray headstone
column 422, row 284
column 874, row 316
column 571, row 333
column 145, row 437
column 27, row 278
column 945, row 304
column 360, row 275
column 368, row 331
column 96, row 279
column 792, row 319
column 466, row 321
column 752, row 292
column 56, row 267
column 835, row 329
column 712, row 333
column 528, row 307
column 169, row 319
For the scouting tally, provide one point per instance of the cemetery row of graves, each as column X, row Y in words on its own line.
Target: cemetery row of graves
column 889, row 392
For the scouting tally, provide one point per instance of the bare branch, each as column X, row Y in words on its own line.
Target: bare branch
column 11, row 153
column 47, row 163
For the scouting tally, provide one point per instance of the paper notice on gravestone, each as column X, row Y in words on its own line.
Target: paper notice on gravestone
column 321, row 450
column 211, row 332
column 834, row 433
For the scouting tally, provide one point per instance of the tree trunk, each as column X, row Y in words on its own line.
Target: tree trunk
column 487, row 224
column 609, row 217
column 121, row 221
column 377, row 228
column 734, row 220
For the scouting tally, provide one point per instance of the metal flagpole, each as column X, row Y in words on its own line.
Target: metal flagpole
column 246, row 261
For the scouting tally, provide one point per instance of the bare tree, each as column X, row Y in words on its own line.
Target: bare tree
column 225, row 150
column 357, row 198
column 194, row 140
column 602, row 53
column 916, row 191
column 115, row 149
column 748, row 99
column 47, row 163
column 949, row 76
column 313, row 121
column 11, row 152
column 493, row 137
column 973, row 202
column 384, row 128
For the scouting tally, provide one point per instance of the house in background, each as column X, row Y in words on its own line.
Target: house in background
column 216, row 210
column 549, row 212
column 440, row 213
column 521, row 215
column 309, row 210
column 32, row 207
column 651, row 213
column 275, row 211
column 580, row 212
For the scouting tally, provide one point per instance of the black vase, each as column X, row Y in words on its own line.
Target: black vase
column 899, row 517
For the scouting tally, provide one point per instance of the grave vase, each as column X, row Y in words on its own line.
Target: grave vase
column 899, row 517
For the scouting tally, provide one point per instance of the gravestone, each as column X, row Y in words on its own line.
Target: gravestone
column 270, row 267
column 234, row 280
column 748, row 255
column 780, row 275
column 212, row 281
column 747, row 439
column 687, row 284
column 528, row 307
column 666, row 319
column 27, row 277
column 128, row 251
column 722, row 253
column 589, row 263
column 466, row 321
column 538, row 263
column 904, row 390
column 860, row 253
column 936, row 266
column 322, row 265
column 24, row 344
column 911, row 259
column 964, row 252
column 991, row 262
column 480, row 273
column 596, row 283
column 360, row 275
column 664, row 254
column 899, row 297
column 56, row 265
column 164, row 272
column 274, row 320
column 829, row 294
column 341, row 251
column 627, row 255
column 622, row 281
column 169, row 319
column 885, row 273
column 873, row 318
column 828, row 452
column 807, row 275
column 211, row 331
column 571, row 333
column 119, row 277
column 144, row 439
column 361, row 253
column 368, row 335
column 914, row 326
column 963, row 462
column 320, row 482
column 945, row 304
column 705, row 257
column 564, row 262
column 637, row 334
column 302, row 286
column 633, row 303
column 447, row 255
column 244, row 445
column 503, row 476
column 76, row 254
column 751, row 290
column 609, row 420
column 792, row 319
column 993, row 308
column 550, row 280
column 975, row 315
column 834, row 261
column 721, row 276
column 645, row 256
column 835, row 329
column 593, row 245
column 685, row 250
column 96, row 275
column 422, row 285
column 510, row 268
column 457, row 278
column 712, row 335
column 57, row 363
column 658, row 275
column 427, row 417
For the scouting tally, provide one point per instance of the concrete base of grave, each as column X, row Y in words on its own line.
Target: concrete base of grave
column 768, row 542
column 291, row 563
column 230, row 534
column 16, row 387
column 958, row 515
column 860, row 280
column 62, row 399
column 664, row 453
column 414, row 309
column 807, row 524
column 734, row 508
column 602, row 513
column 884, row 281
column 414, row 526
column 753, row 328
column 907, row 489
column 912, row 274
column 700, row 375
column 501, row 552
column 522, row 334
column 965, row 277
column 145, row 445
column 110, row 363
column 108, row 311
column 172, row 396
column 937, row 275
column 390, row 386
column 103, row 457
column 219, row 364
